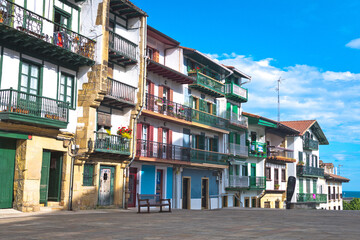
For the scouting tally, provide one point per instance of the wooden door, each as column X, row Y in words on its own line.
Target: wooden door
column 186, row 193
column 276, row 176
column 106, row 188
column 204, row 193
column 55, row 177
column 132, row 187
column 7, row 165
column 159, row 184
column 44, row 181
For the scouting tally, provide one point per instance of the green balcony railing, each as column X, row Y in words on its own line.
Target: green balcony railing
column 202, row 156
column 309, row 171
column 257, row 182
column 111, row 144
column 33, row 109
column 209, row 119
column 257, row 149
column 236, row 93
column 310, row 144
column 207, row 84
column 311, row 197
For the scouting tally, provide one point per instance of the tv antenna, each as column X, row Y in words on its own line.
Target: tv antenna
column 278, row 90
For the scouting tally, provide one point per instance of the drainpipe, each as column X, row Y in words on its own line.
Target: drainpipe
column 142, row 104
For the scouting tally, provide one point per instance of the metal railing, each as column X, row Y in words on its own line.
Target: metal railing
column 311, row 197
column 123, row 46
column 239, row 182
column 257, row 149
column 120, row 91
column 26, row 104
column 240, row 92
column 237, row 149
column 26, row 21
column 310, row 144
column 111, row 144
column 238, row 120
column 166, row 107
column 257, row 182
column 209, row 119
column 202, row 156
column 280, row 152
column 162, row 151
column 309, row 171
column 208, row 82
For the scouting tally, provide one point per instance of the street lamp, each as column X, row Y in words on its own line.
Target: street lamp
column 102, row 133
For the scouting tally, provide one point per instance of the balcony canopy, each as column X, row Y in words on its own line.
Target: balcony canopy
column 169, row 73
column 126, row 9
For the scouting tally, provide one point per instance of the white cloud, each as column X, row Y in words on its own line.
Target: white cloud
column 346, row 76
column 340, row 157
column 355, row 43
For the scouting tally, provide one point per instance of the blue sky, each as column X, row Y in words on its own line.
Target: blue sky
column 313, row 45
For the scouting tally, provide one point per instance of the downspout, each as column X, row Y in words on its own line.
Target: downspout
column 142, row 104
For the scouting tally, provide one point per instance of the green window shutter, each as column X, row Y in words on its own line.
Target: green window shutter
column 214, row 109
column 253, row 169
column 237, row 170
column 231, row 137
column 202, row 141
column 301, row 157
column 314, row 185
column 307, row 160
column 228, row 107
column 237, row 138
column 202, row 105
column 301, row 186
column 215, row 142
column 231, row 170
column 235, row 109
column 88, row 175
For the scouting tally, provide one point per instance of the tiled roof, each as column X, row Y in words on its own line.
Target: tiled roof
column 301, row 126
column 334, row 177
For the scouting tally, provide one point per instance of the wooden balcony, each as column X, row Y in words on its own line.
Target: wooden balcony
column 209, row 119
column 236, row 93
column 207, row 84
column 121, row 50
column 30, row 33
column 202, row 156
column 307, row 171
column 113, row 144
column 16, row 106
column 311, row 197
column 257, row 149
column 119, row 94
column 280, row 155
column 310, row 144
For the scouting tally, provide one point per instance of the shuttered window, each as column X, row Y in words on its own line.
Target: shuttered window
column 88, row 175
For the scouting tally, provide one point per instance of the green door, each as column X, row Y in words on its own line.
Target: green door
column 314, row 186
column 44, row 181
column 55, row 177
column 253, row 169
column 301, row 186
column 7, row 166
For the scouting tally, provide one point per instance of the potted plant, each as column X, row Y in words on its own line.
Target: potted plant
column 301, row 163
column 159, row 102
column 124, row 132
column 277, row 186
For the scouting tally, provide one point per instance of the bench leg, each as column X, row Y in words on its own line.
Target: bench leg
column 160, row 208
column 138, row 208
column 148, row 208
column 169, row 207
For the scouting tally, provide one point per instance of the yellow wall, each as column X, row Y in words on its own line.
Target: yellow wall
column 272, row 198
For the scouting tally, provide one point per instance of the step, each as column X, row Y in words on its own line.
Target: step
column 53, row 204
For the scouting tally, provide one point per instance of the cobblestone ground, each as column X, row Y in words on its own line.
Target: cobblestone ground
column 233, row 223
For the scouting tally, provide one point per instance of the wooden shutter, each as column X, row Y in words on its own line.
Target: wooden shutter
column 156, row 55
column 151, row 133
column 44, row 180
column 169, row 137
column 237, row 135
column 171, row 94
column 202, row 105
column 231, row 137
column 214, row 109
column 161, row 92
column 202, row 141
column 160, row 135
column 104, row 119
column 301, row 157
column 215, row 144
column 151, row 88
column 139, row 131
column 235, row 109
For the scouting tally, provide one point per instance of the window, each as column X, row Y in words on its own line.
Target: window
column 283, row 175
column 276, row 176
column 268, row 173
column 301, row 157
column 29, row 78
column 62, row 19
column 244, row 170
column 67, row 89
column 88, row 175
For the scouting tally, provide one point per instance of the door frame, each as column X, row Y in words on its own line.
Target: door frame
column 207, row 192
column 188, row 197
column 112, row 188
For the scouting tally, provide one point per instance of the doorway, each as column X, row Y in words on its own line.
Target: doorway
column 50, row 182
column 205, row 193
column 132, row 187
column 159, row 184
column 186, row 193
column 7, row 168
column 106, row 188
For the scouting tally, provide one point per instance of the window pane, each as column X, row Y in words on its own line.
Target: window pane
column 24, row 82
column 34, row 71
column 33, row 83
column 62, row 90
column 62, row 81
column 25, row 68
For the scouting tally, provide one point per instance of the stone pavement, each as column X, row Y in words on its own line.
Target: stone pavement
column 230, row 223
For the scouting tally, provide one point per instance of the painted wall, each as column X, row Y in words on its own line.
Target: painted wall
column 196, row 175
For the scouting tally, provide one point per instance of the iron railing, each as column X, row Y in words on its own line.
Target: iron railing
column 26, row 21
column 257, row 182
column 280, row 152
column 111, row 144
column 310, row 144
column 239, row 150
column 166, row 107
column 236, row 92
column 26, row 104
column 257, row 149
column 208, row 82
column 209, row 119
column 202, row 156
column 311, row 197
column 120, row 91
column 239, row 182
column 162, row 150
column 123, row 46
column 309, row 171
column 238, row 120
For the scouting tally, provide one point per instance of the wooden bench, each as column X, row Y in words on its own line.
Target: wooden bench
column 152, row 200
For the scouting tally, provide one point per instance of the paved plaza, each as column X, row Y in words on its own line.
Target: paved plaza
column 232, row 223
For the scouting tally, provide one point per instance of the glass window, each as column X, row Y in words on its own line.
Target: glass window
column 268, row 173
column 66, row 89
column 30, row 78
column 62, row 20
column 88, row 175
column 283, row 175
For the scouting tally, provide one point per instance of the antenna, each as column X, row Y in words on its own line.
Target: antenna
column 278, row 90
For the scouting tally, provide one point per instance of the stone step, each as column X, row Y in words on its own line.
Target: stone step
column 53, row 204
column 51, row 209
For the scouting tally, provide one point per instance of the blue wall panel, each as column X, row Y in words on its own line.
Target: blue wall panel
column 148, row 179
column 196, row 175
column 169, row 184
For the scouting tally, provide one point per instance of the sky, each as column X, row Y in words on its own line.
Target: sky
column 314, row 46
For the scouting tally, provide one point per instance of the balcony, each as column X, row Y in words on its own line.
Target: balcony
column 114, row 144
column 280, row 154
column 168, row 108
column 236, row 182
column 209, row 119
column 33, row 109
column 202, row 156
column 30, row 33
column 308, row 171
column 162, row 151
column 236, row 93
column 238, row 150
column 121, row 50
column 257, row 149
column 311, row 197
column 207, row 84
column 257, row 183
column 119, row 94
column 310, row 144
column 237, row 121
